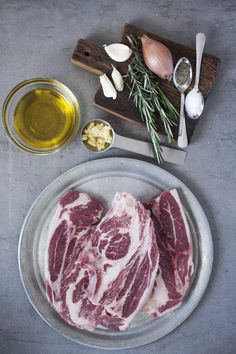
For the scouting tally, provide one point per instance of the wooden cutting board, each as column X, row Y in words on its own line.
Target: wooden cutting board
column 94, row 59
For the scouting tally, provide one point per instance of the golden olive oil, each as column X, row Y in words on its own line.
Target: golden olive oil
column 43, row 118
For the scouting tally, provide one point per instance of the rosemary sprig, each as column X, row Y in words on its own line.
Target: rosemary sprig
column 149, row 99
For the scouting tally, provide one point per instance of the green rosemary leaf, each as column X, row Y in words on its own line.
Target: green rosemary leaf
column 149, row 99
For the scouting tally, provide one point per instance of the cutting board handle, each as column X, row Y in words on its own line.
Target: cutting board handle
column 90, row 57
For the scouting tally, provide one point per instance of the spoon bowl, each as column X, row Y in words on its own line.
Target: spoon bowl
column 91, row 148
column 182, row 87
column 194, row 103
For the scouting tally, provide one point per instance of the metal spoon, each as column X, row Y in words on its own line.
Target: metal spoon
column 194, row 103
column 182, row 87
column 140, row 147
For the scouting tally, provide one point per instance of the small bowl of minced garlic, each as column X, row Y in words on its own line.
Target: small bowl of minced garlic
column 97, row 135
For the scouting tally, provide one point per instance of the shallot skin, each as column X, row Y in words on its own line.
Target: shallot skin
column 157, row 57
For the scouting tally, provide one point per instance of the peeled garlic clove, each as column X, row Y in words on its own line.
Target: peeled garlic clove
column 107, row 87
column 117, row 79
column 118, row 51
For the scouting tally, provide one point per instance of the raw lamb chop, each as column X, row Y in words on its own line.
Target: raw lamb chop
column 122, row 262
column 176, row 253
column 65, row 280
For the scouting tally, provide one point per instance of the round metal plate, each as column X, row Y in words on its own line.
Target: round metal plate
column 103, row 178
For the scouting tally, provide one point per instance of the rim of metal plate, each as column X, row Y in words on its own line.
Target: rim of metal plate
column 156, row 328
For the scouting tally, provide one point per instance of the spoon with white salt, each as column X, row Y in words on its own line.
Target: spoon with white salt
column 194, row 103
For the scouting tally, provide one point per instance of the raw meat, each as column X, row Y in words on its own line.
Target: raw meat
column 104, row 272
column 69, row 231
column 176, row 253
column 122, row 261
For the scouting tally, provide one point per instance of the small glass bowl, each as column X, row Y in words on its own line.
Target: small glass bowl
column 16, row 95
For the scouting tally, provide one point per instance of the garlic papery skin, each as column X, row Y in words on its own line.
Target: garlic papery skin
column 157, row 57
column 118, row 52
column 107, row 87
column 117, row 79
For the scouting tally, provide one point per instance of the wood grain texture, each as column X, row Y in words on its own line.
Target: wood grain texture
column 94, row 59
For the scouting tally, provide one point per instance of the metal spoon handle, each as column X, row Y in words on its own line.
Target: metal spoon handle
column 143, row 148
column 200, row 43
column 182, row 135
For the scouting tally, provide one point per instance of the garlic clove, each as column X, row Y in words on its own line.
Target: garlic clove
column 107, row 87
column 117, row 79
column 118, row 52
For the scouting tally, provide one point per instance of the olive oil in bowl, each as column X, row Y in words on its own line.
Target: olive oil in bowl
column 44, row 118
column 41, row 116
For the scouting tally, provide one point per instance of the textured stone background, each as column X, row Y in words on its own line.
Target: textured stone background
column 37, row 39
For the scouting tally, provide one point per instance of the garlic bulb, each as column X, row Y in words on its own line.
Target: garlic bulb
column 117, row 79
column 157, row 57
column 107, row 87
column 118, row 52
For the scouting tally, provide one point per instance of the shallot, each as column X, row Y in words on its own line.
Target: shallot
column 157, row 57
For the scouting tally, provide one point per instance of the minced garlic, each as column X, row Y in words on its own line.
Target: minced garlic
column 97, row 135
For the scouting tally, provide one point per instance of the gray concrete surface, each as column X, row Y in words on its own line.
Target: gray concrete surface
column 37, row 39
